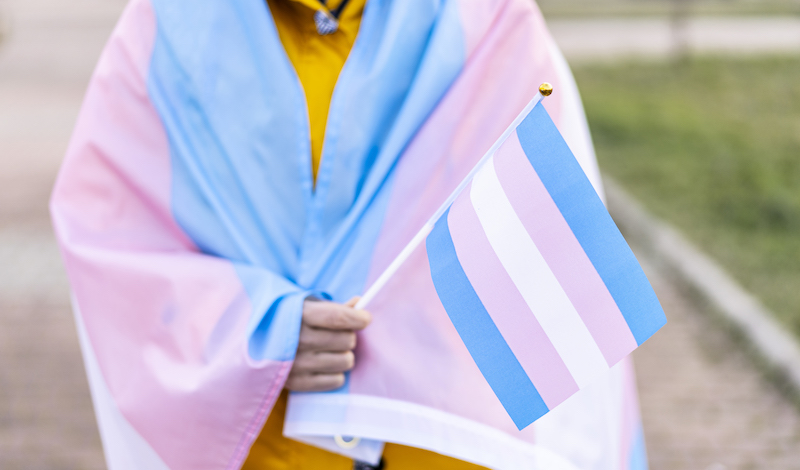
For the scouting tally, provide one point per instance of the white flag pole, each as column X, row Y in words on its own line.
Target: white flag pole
column 545, row 90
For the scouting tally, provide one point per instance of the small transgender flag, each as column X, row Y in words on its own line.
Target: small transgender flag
column 534, row 274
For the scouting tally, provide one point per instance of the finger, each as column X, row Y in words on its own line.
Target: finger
column 333, row 316
column 314, row 382
column 352, row 302
column 324, row 362
column 318, row 339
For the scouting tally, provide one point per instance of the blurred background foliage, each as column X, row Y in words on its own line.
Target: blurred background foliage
column 713, row 146
column 617, row 8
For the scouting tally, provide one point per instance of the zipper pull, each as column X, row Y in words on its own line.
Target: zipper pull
column 325, row 22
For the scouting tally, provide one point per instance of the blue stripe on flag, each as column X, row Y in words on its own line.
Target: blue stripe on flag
column 484, row 341
column 591, row 223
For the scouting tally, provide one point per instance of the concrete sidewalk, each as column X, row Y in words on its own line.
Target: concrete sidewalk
column 704, row 405
column 604, row 39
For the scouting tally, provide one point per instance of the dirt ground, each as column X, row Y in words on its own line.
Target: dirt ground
column 704, row 404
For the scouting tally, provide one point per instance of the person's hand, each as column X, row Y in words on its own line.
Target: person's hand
column 327, row 340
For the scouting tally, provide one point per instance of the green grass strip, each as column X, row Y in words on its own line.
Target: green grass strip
column 712, row 146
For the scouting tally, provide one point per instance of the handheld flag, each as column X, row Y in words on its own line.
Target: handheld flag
column 534, row 274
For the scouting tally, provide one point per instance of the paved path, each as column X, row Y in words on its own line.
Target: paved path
column 705, row 407
column 46, row 417
column 603, row 39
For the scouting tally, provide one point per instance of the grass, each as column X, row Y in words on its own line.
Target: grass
column 713, row 146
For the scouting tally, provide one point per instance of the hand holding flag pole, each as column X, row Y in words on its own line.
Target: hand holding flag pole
column 545, row 89
column 533, row 273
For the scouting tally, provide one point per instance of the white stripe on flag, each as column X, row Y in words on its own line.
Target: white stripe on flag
column 534, row 279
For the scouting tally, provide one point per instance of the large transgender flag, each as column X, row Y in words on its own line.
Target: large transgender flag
column 192, row 232
column 535, row 276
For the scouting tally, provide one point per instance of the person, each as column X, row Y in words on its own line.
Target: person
column 240, row 170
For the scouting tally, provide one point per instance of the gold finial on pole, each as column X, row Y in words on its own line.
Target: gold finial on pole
column 546, row 89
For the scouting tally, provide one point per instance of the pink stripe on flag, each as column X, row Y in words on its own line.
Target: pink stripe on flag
column 505, row 305
column 550, row 232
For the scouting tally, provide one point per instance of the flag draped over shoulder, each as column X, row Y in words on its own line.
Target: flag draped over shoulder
column 192, row 232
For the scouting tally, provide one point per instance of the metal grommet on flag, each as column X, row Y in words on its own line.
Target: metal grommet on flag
column 351, row 444
column 325, row 22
